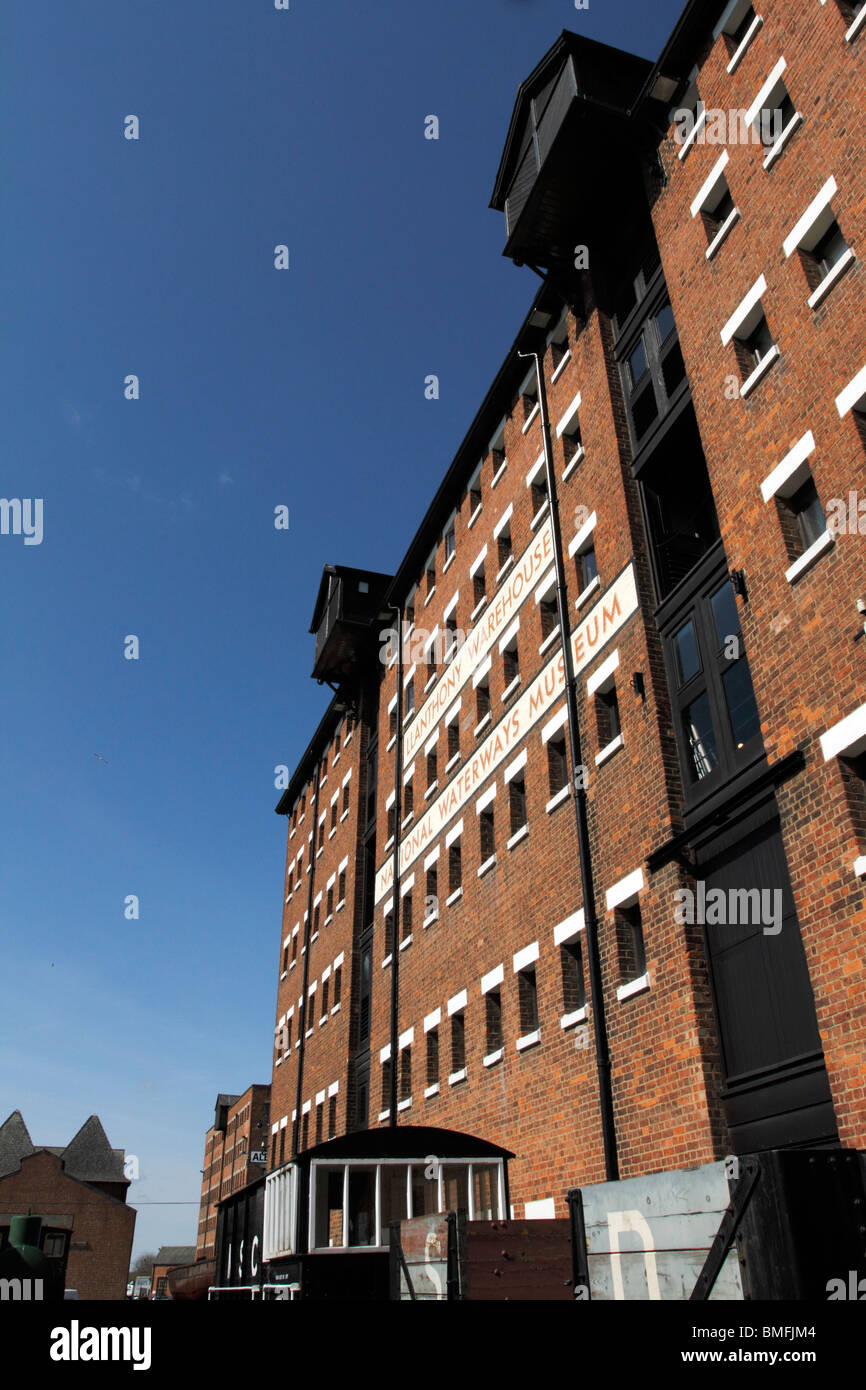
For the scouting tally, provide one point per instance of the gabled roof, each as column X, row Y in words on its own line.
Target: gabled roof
column 89, row 1155
column 175, row 1255
column 15, row 1143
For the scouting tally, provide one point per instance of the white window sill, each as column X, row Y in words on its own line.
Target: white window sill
column 314, row 938
column 492, row 1058
column 498, row 474
column 693, row 134
column 430, row 595
column 323, row 1019
column 407, row 820
column 561, row 365
column 452, row 762
column 429, row 681
column 335, row 1009
column 569, row 1020
column 433, row 787
column 505, row 568
column 389, row 844
column 740, row 52
column 309, row 1033
column 454, row 897
column 344, row 816
column 477, row 609
column 528, row 1040
column 479, row 728
column 539, row 515
column 386, row 962
column 340, row 906
column 488, row 864
column 456, row 1077
column 609, row 750
column 332, row 833
column 329, row 918
column 431, row 1090
column 405, row 1104
column 284, row 974
column 845, row 261
column 406, row 942
column 474, row 517
column 634, row 987
column 860, row 866
column 384, row 1115
column 530, row 417
column 449, row 562
column 410, row 714
column 577, row 457
column 428, row 921
column 808, row 558
column 549, row 640
column 773, row 154
column 594, row 583
column 510, row 689
column 278, row 1062
column 297, row 1042
column 292, row 966
column 318, row 852
column 558, row 799
column 392, row 740
column 760, row 371
column 722, row 234
column 856, row 27
column 518, row 835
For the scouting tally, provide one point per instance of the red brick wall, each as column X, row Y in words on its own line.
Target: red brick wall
column 807, row 670
column 326, row 1050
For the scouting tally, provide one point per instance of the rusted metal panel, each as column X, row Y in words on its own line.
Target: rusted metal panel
column 526, row 1261
column 424, row 1241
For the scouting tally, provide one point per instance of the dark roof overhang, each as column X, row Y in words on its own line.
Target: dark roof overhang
column 569, row 126
column 680, row 55
column 405, row 1141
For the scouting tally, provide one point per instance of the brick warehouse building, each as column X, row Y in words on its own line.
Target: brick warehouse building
column 577, row 867
column 234, row 1155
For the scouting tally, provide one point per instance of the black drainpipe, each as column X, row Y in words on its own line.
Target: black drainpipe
column 302, row 1014
column 602, row 1050
column 395, row 902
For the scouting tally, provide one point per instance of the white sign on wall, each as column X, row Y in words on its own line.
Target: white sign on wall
column 603, row 621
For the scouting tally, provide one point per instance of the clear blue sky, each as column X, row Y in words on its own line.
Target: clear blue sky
column 258, row 388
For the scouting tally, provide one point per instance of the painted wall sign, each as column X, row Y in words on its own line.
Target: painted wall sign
column 648, row 1238
column 505, row 603
column 604, row 620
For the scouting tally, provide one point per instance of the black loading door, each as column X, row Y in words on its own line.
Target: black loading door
column 775, row 1087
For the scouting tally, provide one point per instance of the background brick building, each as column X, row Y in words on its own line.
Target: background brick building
column 234, row 1155
column 80, row 1193
column 631, row 680
column 168, row 1257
